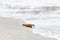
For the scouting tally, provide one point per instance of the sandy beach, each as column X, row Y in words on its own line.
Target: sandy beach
column 10, row 30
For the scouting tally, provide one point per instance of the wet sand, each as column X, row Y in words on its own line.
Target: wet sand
column 11, row 30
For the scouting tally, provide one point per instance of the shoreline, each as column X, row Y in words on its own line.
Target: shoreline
column 11, row 30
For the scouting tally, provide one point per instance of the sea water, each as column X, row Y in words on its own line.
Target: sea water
column 46, row 18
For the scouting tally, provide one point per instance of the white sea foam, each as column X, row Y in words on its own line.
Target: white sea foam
column 46, row 24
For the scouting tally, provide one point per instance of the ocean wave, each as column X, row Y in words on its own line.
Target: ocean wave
column 46, row 19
